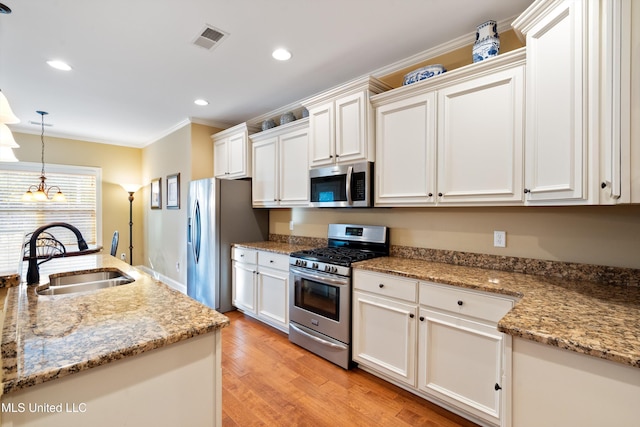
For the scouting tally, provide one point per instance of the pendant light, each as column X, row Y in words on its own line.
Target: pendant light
column 7, row 143
column 41, row 191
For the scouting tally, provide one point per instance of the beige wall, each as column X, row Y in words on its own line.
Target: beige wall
column 189, row 152
column 605, row 235
column 119, row 165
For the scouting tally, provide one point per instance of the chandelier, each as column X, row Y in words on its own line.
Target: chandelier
column 41, row 192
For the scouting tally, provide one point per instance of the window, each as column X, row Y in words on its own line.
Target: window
column 81, row 209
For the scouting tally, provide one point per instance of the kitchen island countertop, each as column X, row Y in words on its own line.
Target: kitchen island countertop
column 49, row 337
column 585, row 317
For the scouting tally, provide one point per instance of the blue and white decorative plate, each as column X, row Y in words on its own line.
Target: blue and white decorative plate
column 423, row 73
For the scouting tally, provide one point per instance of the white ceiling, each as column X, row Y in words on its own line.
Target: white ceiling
column 136, row 72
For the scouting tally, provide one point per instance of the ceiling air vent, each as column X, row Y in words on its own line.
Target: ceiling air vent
column 210, row 37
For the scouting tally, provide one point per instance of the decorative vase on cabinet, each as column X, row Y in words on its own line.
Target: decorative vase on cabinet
column 487, row 42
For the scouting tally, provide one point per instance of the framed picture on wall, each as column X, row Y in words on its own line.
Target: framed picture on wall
column 173, row 191
column 156, row 194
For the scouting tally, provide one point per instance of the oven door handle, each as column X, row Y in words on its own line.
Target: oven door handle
column 318, row 277
column 318, row 340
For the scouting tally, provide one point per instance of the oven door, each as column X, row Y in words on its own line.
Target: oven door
column 321, row 302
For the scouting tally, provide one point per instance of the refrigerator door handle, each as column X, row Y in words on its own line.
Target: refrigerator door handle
column 196, row 232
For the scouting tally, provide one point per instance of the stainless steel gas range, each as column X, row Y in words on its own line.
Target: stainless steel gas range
column 320, row 289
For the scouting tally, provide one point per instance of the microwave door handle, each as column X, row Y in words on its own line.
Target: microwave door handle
column 349, row 175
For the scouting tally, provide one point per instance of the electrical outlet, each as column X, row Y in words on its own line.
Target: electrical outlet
column 500, row 239
column 291, row 225
column 123, row 256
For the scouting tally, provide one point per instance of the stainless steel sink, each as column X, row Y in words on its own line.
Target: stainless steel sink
column 85, row 281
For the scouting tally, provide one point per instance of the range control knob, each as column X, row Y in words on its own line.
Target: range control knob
column 315, row 265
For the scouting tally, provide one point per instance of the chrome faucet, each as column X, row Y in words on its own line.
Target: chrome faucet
column 33, row 274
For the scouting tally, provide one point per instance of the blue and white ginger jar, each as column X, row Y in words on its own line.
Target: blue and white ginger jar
column 487, row 42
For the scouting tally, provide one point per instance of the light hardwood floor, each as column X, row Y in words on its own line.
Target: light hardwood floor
column 267, row 381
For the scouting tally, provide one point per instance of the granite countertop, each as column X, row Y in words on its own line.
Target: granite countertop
column 586, row 317
column 49, row 337
column 277, row 247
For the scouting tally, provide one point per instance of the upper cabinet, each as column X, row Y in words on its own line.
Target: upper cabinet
column 280, row 169
column 341, row 123
column 577, row 105
column 231, row 153
column 455, row 139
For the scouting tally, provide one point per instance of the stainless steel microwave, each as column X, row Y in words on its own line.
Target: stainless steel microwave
column 339, row 186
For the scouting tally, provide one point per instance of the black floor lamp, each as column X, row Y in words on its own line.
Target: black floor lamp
column 131, row 188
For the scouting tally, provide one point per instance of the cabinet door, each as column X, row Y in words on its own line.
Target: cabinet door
column 220, row 159
column 384, row 336
column 238, row 156
column 480, row 140
column 244, row 287
column 265, row 170
column 405, row 152
column 555, row 141
column 321, row 135
column 351, row 128
column 273, row 301
column 294, row 168
column 460, row 362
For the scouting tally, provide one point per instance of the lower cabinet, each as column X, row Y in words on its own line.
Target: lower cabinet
column 438, row 341
column 261, row 286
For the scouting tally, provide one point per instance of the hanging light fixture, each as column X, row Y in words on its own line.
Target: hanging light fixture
column 41, row 191
column 7, row 143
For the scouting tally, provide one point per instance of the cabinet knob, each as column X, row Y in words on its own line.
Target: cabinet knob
column 271, row 261
column 439, row 194
column 331, row 156
column 241, row 255
column 526, row 190
column 497, row 387
column 422, row 318
column 460, row 302
column 381, row 285
column 411, row 315
column 430, row 194
column 603, row 185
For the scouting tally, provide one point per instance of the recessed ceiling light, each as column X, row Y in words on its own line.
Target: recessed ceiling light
column 201, row 102
column 59, row 65
column 281, row 54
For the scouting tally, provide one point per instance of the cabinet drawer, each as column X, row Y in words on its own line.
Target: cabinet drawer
column 387, row 285
column 245, row 255
column 273, row 260
column 468, row 303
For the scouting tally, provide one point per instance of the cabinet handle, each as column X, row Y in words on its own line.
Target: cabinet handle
column 430, row 194
column 411, row 315
column 381, row 285
column 271, row 261
column 241, row 255
column 460, row 302
column 439, row 194
column 497, row 387
column 331, row 156
column 422, row 318
column 526, row 190
column 603, row 185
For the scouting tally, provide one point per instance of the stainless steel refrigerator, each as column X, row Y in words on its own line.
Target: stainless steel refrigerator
column 219, row 215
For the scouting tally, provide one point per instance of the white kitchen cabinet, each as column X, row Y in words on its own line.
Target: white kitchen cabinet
column 341, row 123
column 280, row 168
column 273, row 289
column 454, row 140
column 480, row 139
column 577, row 105
column 260, row 285
column 384, row 325
column 405, row 143
column 231, row 154
column 462, row 358
column 244, row 282
column 440, row 341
